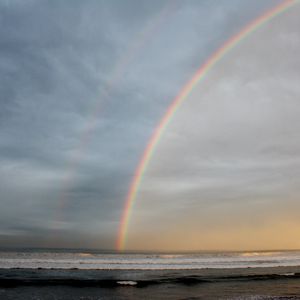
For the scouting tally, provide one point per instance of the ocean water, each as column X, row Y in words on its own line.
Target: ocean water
column 70, row 259
column 91, row 275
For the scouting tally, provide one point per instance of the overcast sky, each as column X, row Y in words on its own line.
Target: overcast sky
column 83, row 85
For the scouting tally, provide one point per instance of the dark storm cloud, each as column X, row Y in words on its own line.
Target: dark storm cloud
column 82, row 85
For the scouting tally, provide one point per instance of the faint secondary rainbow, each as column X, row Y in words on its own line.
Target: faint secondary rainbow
column 143, row 38
column 176, row 103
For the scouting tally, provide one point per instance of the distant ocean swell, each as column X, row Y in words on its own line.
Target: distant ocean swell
column 100, row 261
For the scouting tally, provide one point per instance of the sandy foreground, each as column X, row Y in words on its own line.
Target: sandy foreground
column 246, row 283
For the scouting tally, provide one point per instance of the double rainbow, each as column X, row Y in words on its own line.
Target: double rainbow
column 176, row 103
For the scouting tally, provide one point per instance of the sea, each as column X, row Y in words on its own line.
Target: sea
column 92, row 259
column 92, row 274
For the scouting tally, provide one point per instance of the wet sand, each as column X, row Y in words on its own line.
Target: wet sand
column 249, row 283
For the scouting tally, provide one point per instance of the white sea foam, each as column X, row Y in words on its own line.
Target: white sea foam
column 86, row 260
column 127, row 282
column 288, row 274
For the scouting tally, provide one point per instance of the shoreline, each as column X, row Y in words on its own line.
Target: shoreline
column 141, row 278
column 205, row 284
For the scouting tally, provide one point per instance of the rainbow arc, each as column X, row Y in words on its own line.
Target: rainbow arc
column 177, row 102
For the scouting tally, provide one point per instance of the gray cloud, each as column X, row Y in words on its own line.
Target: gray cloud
column 230, row 157
column 83, row 84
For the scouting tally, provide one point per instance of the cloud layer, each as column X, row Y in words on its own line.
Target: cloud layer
column 83, row 84
column 225, row 174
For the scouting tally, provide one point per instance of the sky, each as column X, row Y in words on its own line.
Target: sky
column 83, row 84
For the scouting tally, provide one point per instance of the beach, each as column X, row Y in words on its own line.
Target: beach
column 96, row 275
column 250, row 283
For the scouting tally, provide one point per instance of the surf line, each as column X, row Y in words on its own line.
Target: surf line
column 175, row 105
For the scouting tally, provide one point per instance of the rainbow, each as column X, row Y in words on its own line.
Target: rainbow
column 142, row 39
column 176, row 103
